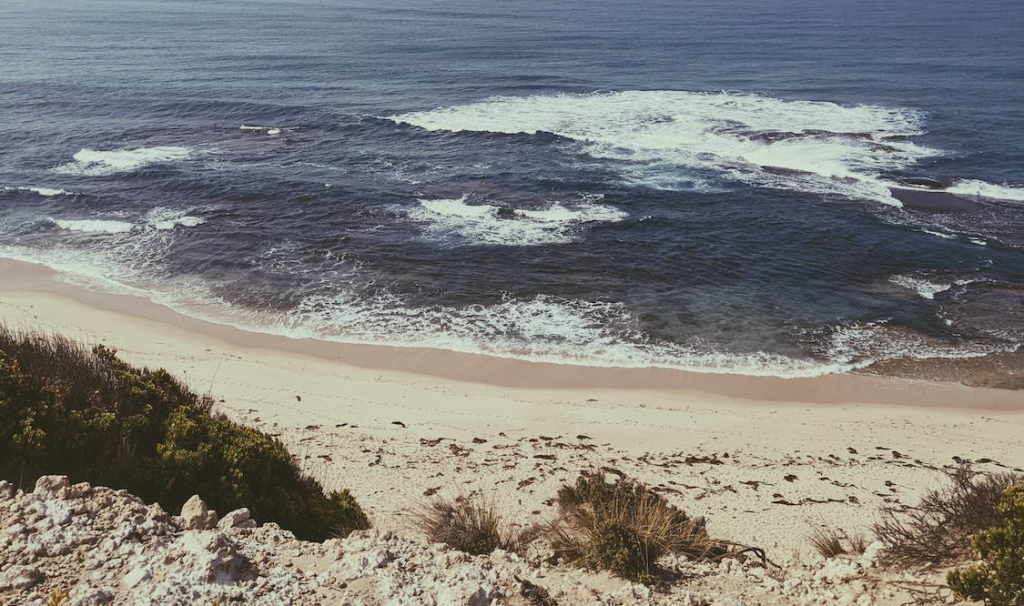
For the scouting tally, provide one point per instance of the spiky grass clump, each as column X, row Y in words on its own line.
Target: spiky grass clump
column 830, row 542
column 624, row 527
column 827, row 541
column 939, row 529
column 470, row 524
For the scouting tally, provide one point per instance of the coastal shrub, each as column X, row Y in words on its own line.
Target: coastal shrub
column 470, row 524
column 91, row 416
column 939, row 529
column 624, row 527
column 998, row 579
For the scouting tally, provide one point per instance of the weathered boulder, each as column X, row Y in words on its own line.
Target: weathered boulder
column 195, row 515
column 239, row 518
column 20, row 577
column 50, row 484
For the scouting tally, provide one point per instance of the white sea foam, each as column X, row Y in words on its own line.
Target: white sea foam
column 95, row 163
column 939, row 234
column 983, row 189
column 159, row 218
column 270, row 130
column 807, row 146
column 94, row 225
column 926, row 289
column 541, row 328
column 46, row 192
column 166, row 218
column 486, row 224
column 860, row 345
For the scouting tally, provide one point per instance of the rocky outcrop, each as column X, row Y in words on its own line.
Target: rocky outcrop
column 106, row 546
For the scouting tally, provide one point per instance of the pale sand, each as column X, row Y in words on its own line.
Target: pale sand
column 806, row 451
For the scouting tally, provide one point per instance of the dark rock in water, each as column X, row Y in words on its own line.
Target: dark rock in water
column 505, row 212
column 924, row 182
column 780, row 170
column 933, row 201
column 771, row 136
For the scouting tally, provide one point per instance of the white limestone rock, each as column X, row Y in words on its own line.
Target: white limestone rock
column 195, row 515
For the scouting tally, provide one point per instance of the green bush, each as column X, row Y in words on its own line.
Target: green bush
column 91, row 416
column 998, row 579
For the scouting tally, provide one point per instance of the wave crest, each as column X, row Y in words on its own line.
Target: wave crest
column 496, row 225
column 95, row 163
column 807, row 146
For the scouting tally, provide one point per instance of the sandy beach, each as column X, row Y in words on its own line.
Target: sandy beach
column 393, row 428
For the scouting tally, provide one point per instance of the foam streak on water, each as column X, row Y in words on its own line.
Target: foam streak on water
column 94, row 163
column 806, row 146
column 456, row 221
column 46, row 192
column 982, row 189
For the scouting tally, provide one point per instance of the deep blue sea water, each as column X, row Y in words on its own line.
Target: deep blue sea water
column 773, row 188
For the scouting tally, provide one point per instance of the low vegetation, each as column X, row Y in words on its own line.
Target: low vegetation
column 830, row 542
column 998, row 579
column 938, row 531
column 470, row 524
column 827, row 541
column 624, row 527
column 89, row 415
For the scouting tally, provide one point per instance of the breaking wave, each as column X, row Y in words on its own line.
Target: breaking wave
column 926, row 289
column 95, row 163
column 455, row 219
column 166, row 218
column 94, row 225
column 158, row 218
column 805, row 146
column 983, row 189
column 46, row 192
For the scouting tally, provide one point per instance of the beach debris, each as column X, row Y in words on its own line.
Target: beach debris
column 458, row 451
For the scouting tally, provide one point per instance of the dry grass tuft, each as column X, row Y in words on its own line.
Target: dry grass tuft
column 624, row 527
column 939, row 529
column 859, row 543
column 830, row 542
column 470, row 524
column 827, row 541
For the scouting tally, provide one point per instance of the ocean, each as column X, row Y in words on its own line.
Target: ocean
column 789, row 188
